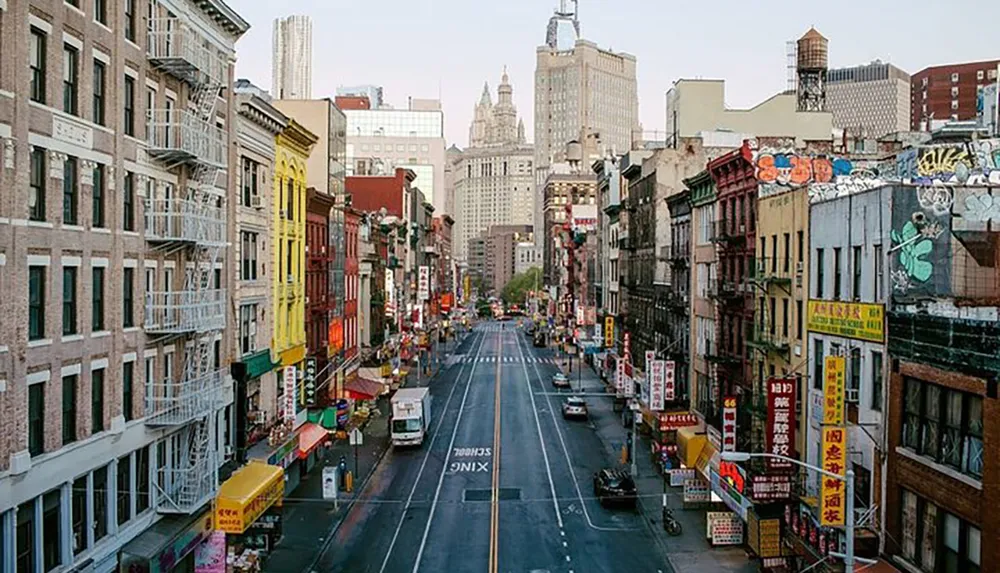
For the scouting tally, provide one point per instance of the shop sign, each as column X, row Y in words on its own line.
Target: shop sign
column 696, row 491
column 390, row 293
column 803, row 524
column 780, row 431
column 644, row 391
column 714, row 437
column 774, row 562
column 657, row 389
column 620, row 376
column 210, row 556
column 234, row 516
column 833, row 499
column 730, row 483
column 424, row 283
column 729, row 424
column 309, row 382
column 679, row 476
column 290, row 394
column 833, row 391
column 861, row 321
column 285, row 454
column 669, row 383
column 767, row 488
column 629, row 382
column 816, row 408
column 580, row 317
column 675, row 421
column 724, row 528
column 627, row 346
column 609, row 331
column 764, row 536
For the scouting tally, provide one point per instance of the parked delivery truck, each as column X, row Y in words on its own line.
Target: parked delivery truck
column 411, row 416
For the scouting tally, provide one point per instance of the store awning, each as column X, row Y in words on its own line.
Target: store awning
column 310, row 437
column 259, row 364
column 165, row 543
column 363, row 389
column 689, row 445
column 246, row 495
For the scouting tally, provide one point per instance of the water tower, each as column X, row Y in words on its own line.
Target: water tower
column 811, row 66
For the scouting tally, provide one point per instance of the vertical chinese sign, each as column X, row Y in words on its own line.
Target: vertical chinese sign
column 609, row 332
column 424, row 283
column 833, row 497
column 669, row 383
column 833, row 391
column 780, row 433
column 620, row 376
column 656, row 385
column 729, row 424
column 290, row 394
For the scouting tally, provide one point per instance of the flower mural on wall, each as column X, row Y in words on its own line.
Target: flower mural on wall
column 913, row 247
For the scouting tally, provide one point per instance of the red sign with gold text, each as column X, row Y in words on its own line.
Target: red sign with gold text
column 780, row 432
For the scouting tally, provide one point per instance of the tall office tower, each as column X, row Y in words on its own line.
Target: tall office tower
column 581, row 91
column 869, row 100
column 291, row 63
column 493, row 179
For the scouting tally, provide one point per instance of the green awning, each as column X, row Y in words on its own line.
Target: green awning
column 259, row 364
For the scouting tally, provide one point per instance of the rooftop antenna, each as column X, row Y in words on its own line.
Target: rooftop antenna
column 576, row 16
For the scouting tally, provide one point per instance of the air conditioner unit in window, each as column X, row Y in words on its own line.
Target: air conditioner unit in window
column 229, row 451
column 798, row 267
column 290, row 278
column 256, row 202
column 851, row 395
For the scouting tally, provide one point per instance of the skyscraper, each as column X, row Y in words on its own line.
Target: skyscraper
column 869, row 100
column 581, row 90
column 291, row 71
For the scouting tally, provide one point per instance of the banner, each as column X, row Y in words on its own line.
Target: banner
column 669, row 383
column 424, row 283
column 833, row 497
column 627, row 346
column 833, row 391
column 309, row 382
column 780, row 431
column 656, row 384
column 390, row 293
column 768, row 488
column 729, row 424
column 862, row 321
column 290, row 394
column 675, row 421
column 609, row 331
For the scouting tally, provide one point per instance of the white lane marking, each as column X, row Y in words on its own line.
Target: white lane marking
column 569, row 463
column 451, row 447
column 538, row 426
column 567, row 559
column 423, row 464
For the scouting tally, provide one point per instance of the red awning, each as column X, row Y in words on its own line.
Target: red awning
column 362, row 388
column 310, row 437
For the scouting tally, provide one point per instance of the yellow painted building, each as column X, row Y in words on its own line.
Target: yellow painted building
column 780, row 281
column 288, row 242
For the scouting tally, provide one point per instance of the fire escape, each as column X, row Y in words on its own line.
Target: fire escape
column 191, row 227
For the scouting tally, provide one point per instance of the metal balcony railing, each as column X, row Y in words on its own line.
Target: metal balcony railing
column 729, row 231
column 761, row 337
column 177, row 312
column 180, row 136
column 176, row 48
column 172, row 403
column 184, row 221
column 770, row 270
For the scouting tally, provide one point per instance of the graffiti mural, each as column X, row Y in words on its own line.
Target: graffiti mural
column 921, row 242
column 975, row 208
column 964, row 163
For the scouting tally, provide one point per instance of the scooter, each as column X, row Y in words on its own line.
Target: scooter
column 671, row 525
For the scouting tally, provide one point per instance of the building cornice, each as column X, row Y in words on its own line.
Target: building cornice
column 297, row 137
column 258, row 111
column 224, row 16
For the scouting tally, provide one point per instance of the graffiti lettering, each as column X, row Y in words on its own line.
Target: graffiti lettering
column 938, row 200
column 793, row 169
column 982, row 208
column 943, row 161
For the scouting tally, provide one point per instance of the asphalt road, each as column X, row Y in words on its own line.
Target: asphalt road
column 502, row 485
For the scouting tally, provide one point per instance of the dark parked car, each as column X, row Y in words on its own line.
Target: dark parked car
column 613, row 486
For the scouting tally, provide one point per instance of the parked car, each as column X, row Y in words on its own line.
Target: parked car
column 574, row 407
column 613, row 486
column 559, row 380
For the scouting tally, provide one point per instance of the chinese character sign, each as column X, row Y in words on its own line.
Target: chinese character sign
column 669, row 383
column 833, row 391
column 780, row 420
column 424, row 283
column 627, row 346
column 729, row 424
column 656, row 387
column 620, row 376
column 609, row 332
column 290, row 394
column 833, row 498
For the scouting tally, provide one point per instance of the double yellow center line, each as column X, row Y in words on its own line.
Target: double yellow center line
column 495, row 487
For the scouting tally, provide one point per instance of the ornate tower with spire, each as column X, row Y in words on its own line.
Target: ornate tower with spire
column 482, row 119
column 496, row 125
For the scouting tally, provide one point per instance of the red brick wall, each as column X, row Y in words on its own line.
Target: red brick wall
column 939, row 86
column 371, row 193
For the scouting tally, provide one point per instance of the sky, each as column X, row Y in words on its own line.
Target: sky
column 448, row 48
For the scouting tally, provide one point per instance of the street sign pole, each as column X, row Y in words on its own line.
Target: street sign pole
column 356, row 438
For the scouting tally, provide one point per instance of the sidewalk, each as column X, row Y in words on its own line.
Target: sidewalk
column 689, row 551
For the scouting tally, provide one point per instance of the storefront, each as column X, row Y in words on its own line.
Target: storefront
column 168, row 546
column 252, row 494
column 664, row 440
column 250, row 374
column 312, row 438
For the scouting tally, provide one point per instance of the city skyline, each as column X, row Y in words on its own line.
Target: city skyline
column 519, row 27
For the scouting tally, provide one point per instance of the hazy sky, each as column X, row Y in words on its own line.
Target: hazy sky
column 423, row 48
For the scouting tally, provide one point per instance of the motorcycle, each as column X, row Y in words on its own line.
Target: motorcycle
column 671, row 525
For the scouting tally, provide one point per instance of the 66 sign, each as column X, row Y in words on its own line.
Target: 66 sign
column 729, row 424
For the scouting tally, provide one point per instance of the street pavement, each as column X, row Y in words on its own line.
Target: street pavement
column 502, row 483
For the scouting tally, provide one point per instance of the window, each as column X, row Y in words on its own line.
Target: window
column 97, row 299
column 250, row 174
column 772, row 316
column 71, row 78
column 856, row 270
column 855, row 381
column 51, row 546
column 877, row 381
column 36, row 418
column 944, row 425
column 141, row 480
column 787, row 255
column 36, row 61
column 36, row 183
column 784, row 317
column 24, row 558
column 954, row 90
column 128, row 286
column 69, row 384
column 837, row 274
column 248, row 268
column 800, row 240
column 954, row 104
column 79, row 514
column 128, row 202
column 97, row 401
column 69, row 301
column 130, row 20
column 100, row 73
column 70, row 215
column 820, row 279
column 100, row 503
column 954, row 78
column 101, row 11
column 818, row 360
column 877, row 255
column 36, row 302
column 129, row 105
column 124, row 489
column 774, row 253
column 97, row 208
column 248, row 329
column 798, row 319
column 127, row 381
column 289, row 199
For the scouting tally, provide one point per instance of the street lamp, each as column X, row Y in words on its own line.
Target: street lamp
column 848, row 556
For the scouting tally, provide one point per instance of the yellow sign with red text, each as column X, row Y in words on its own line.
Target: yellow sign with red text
column 833, row 391
column 609, row 331
column 833, row 496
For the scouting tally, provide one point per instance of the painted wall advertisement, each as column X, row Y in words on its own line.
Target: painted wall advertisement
column 729, row 424
column 780, row 431
column 656, row 385
column 833, row 391
column 833, row 498
column 724, row 528
column 669, row 381
column 424, row 283
column 862, row 321
column 290, row 394
column 609, row 331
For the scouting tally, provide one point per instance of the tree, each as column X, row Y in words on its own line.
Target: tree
column 515, row 291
